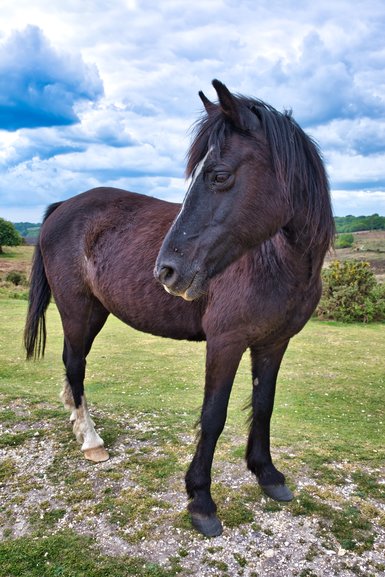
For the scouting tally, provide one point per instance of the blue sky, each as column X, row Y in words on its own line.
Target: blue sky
column 104, row 92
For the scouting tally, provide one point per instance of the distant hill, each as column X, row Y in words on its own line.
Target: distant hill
column 356, row 223
column 27, row 229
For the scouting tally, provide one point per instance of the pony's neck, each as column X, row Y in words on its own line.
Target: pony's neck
column 299, row 231
column 311, row 228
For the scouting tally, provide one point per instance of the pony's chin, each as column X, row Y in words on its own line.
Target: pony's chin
column 196, row 289
column 190, row 295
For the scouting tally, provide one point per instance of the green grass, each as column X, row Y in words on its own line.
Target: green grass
column 329, row 402
column 67, row 554
column 21, row 253
column 145, row 395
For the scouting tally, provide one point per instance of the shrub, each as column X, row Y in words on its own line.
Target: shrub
column 351, row 293
column 344, row 240
column 16, row 278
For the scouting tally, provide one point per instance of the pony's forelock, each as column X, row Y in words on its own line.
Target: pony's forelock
column 296, row 160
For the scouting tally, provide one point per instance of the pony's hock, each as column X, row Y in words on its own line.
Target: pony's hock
column 246, row 249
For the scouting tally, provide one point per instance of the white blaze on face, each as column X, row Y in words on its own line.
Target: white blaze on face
column 199, row 166
column 196, row 173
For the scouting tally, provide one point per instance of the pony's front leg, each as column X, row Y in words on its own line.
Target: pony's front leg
column 222, row 361
column 265, row 367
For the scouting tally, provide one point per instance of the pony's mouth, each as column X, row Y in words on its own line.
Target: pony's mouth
column 194, row 290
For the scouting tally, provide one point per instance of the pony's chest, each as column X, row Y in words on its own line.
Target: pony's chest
column 259, row 310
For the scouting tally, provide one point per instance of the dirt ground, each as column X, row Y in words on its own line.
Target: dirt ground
column 274, row 544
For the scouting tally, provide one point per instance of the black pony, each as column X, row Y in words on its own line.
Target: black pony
column 244, row 251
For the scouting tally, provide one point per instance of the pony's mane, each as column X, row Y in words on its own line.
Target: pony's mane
column 296, row 161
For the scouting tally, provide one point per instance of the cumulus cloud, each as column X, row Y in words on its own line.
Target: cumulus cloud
column 40, row 86
column 365, row 136
column 358, row 202
column 68, row 125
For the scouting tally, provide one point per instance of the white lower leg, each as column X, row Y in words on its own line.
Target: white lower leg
column 68, row 400
column 84, row 428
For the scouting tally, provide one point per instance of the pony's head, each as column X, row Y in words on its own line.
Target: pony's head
column 240, row 193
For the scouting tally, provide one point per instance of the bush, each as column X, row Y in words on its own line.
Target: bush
column 344, row 240
column 351, row 293
column 16, row 278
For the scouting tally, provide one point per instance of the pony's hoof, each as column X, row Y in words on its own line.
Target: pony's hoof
column 97, row 455
column 278, row 492
column 209, row 526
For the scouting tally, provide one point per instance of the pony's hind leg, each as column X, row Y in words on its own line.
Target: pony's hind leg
column 265, row 367
column 83, row 426
column 77, row 343
column 68, row 399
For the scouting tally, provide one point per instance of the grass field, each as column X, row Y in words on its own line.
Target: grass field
column 127, row 516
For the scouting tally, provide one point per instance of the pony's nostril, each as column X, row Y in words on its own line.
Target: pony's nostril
column 166, row 275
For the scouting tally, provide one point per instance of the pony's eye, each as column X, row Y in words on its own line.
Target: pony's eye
column 221, row 177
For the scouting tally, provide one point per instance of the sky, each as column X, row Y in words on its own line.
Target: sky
column 105, row 92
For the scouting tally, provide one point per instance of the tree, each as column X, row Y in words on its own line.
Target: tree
column 8, row 235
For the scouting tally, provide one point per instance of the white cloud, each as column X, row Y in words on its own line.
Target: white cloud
column 39, row 86
column 358, row 202
column 324, row 60
column 356, row 168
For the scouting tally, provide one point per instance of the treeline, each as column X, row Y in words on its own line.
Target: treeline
column 343, row 224
column 355, row 223
column 27, row 229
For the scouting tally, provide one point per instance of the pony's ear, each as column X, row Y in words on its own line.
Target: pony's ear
column 227, row 102
column 239, row 114
column 209, row 106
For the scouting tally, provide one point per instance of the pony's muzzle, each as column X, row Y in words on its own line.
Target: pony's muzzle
column 174, row 282
column 166, row 275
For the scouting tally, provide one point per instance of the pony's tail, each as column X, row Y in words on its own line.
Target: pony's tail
column 35, row 332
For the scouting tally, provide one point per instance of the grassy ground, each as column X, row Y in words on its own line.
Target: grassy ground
column 327, row 436
column 16, row 258
column 61, row 516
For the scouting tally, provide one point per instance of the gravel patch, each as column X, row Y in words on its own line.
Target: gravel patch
column 43, row 473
